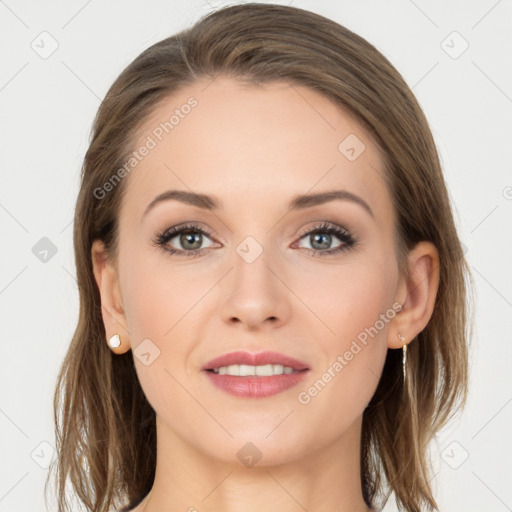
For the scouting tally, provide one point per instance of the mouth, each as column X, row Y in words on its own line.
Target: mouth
column 245, row 370
column 255, row 375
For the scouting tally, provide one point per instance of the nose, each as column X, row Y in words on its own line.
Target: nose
column 256, row 294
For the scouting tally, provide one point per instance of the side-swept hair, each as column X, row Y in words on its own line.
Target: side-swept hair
column 105, row 427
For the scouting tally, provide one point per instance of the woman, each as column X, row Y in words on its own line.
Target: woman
column 272, row 289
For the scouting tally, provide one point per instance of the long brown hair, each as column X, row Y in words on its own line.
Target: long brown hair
column 105, row 427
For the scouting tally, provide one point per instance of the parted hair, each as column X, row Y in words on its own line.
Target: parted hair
column 105, row 427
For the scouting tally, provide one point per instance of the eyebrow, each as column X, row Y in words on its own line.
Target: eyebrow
column 299, row 202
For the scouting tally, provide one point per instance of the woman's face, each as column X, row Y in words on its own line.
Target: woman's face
column 260, row 279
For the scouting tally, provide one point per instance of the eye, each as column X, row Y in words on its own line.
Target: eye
column 321, row 238
column 187, row 240
column 184, row 240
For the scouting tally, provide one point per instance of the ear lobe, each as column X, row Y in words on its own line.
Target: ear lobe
column 112, row 310
column 420, row 290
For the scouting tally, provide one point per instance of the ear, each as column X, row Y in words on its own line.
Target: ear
column 112, row 311
column 417, row 294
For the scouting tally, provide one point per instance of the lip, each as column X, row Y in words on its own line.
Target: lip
column 255, row 387
column 262, row 358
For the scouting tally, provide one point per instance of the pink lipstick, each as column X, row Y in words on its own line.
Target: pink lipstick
column 255, row 375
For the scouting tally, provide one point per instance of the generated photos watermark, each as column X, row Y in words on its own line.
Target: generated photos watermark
column 361, row 341
column 150, row 143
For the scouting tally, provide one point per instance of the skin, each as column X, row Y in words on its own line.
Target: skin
column 255, row 147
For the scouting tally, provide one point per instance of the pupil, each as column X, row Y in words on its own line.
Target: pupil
column 318, row 237
column 188, row 237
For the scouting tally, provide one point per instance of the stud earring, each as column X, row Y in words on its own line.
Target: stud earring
column 114, row 342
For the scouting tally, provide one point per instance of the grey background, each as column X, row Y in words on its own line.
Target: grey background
column 48, row 103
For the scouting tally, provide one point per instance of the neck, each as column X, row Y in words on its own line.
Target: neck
column 327, row 478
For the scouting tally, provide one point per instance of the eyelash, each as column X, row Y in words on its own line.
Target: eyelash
column 341, row 233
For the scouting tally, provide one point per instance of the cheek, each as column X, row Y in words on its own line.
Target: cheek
column 349, row 298
column 157, row 297
column 355, row 301
column 163, row 303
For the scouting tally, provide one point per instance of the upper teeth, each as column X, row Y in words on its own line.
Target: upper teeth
column 243, row 370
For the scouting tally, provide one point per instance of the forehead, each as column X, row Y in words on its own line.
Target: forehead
column 253, row 144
